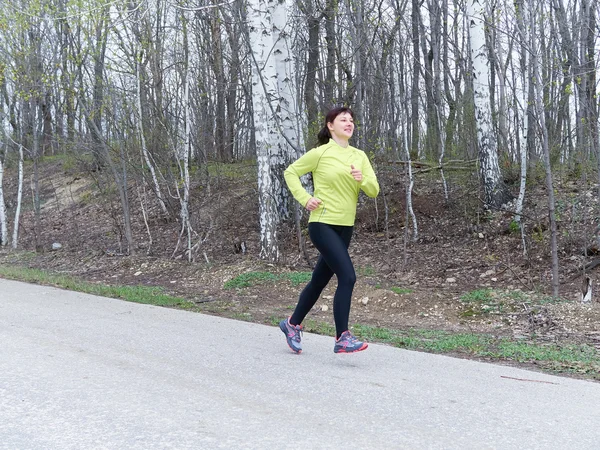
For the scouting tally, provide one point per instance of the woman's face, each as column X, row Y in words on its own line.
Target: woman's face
column 342, row 126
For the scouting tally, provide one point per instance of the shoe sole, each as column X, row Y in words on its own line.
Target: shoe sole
column 283, row 328
column 364, row 347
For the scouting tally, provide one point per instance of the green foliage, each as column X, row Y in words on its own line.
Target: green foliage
column 523, row 352
column 86, row 198
column 365, row 271
column 233, row 171
column 552, row 300
column 536, row 174
column 569, row 89
column 538, row 234
column 69, row 163
column 518, row 296
column 428, row 340
column 246, row 317
column 297, row 278
column 514, row 226
column 478, row 296
column 400, row 291
column 249, row 279
column 571, row 357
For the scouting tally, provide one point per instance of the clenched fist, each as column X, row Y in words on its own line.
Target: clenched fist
column 312, row 204
column 356, row 173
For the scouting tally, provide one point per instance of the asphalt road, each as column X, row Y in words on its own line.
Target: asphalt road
column 84, row 372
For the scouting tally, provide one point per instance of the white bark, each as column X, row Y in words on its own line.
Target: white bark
column 264, row 75
column 15, row 237
column 442, row 135
column 185, row 212
column 522, row 23
column 3, row 223
column 277, row 128
column 411, row 182
column 522, row 128
column 183, row 150
column 494, row 190
column 288, row 110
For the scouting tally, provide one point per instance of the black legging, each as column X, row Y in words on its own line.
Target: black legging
column 332, row 241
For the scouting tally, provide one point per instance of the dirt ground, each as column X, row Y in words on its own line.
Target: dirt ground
column 465, row 272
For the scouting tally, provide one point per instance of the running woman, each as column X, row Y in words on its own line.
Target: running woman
column 339, row 172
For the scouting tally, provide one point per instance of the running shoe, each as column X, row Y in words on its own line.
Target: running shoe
column 348, row 343
column 292, row 334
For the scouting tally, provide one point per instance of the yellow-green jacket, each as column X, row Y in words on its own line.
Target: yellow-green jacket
column 330, row 165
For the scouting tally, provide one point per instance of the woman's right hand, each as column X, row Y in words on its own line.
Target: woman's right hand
column 312, row 204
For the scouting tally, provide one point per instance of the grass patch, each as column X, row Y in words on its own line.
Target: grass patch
column 233, row 171
column 400, row 291
column 552, row 300
column 365, row 271
column 427, row 340
column 580, row 358
column 524, row 352
column 139, row 294
column 249, row 279
column 297, row 278
column 489, row 301
column 246, row 317
column 478, row 296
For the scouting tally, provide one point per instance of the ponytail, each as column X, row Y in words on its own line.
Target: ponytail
column 324, row 135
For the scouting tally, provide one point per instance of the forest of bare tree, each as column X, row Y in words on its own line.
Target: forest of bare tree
column 148, row 95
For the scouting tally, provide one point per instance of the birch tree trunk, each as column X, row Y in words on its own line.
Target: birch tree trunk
column 330, row 13
column 35, row 182
column 522, row 11
column 3, row 222
column 183, row 149
column 414, row 99
column 495, row 192
column 522, row 110
column 15, row 237
column 275, row 115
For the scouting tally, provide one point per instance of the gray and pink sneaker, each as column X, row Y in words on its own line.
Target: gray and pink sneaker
column 292, row 334
column 348, row 343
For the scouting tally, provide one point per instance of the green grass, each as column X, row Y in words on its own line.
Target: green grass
column 297, row 278
column 400, row 291
column 478, row 296
column 246, row 317
column 138, row 294
column 249, row 279
column 237, row 170
column 365, row 271
column 580, row 358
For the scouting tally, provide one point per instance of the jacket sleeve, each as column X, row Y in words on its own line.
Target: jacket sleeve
column 369, row 183
column 306, row 163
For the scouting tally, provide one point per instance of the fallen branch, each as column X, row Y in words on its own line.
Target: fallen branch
column 525, row 379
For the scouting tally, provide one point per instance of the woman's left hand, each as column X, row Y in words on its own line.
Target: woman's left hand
column 356, row 173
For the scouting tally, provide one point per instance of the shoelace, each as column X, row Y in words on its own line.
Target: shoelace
column 350, row 338
column 297, row 332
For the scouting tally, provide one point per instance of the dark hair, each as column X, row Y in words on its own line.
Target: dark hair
column 324, row 135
